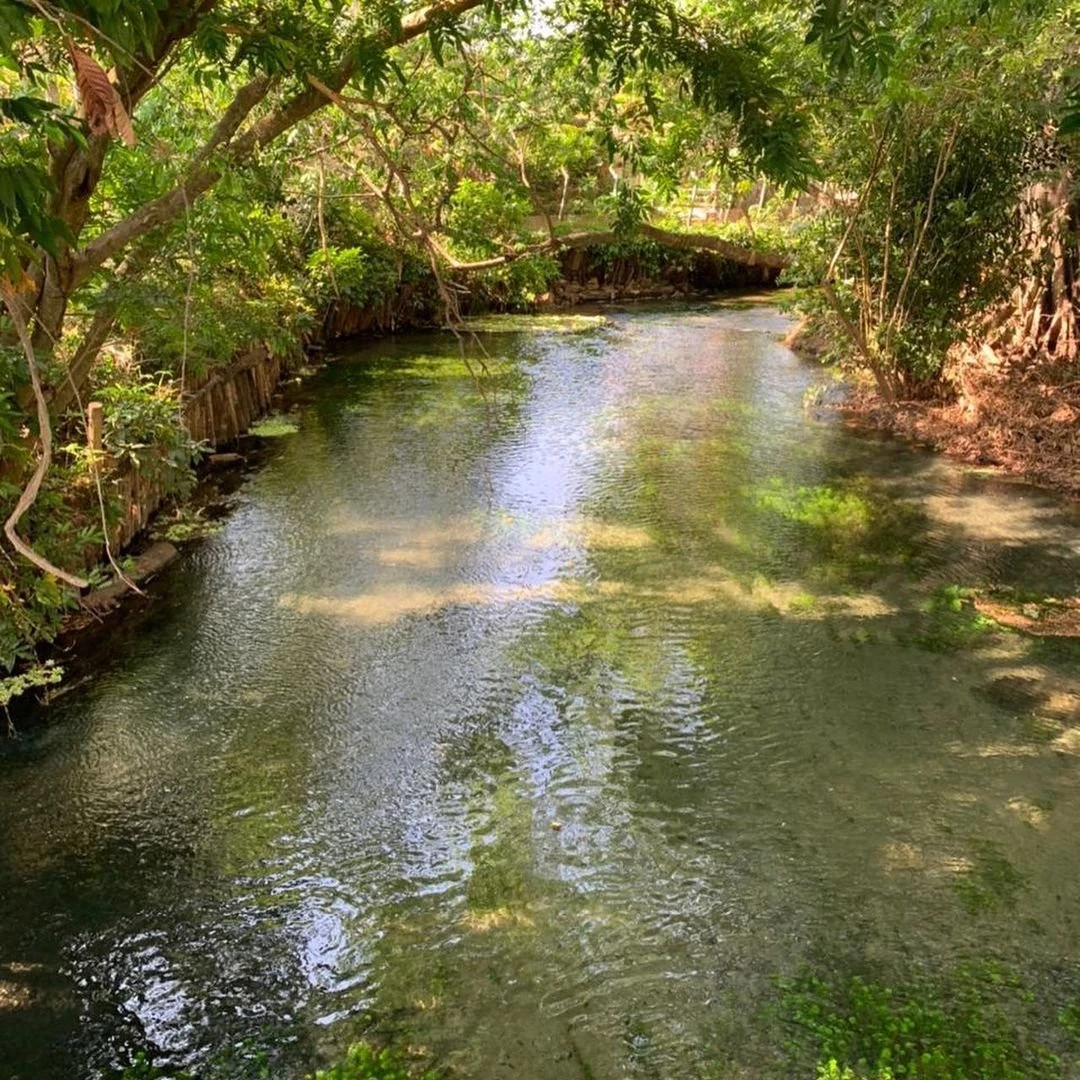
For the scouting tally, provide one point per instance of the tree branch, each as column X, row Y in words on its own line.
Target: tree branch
column 201, row 177
column 735, row 253
column 15, row 308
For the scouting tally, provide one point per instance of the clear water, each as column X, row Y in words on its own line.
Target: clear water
column 539, row 726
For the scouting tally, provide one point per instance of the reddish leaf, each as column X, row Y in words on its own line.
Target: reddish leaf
column 102, row 108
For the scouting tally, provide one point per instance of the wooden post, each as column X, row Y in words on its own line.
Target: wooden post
column 693, row 203
column 95, row 422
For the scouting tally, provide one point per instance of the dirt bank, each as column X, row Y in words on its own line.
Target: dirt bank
column 1010, row 411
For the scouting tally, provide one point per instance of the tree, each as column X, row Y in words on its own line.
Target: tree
column 930, row 132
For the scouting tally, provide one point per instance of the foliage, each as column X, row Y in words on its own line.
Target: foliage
column 931, row 166
column 144, row 429
column 227, row 276
column 975, row 1023
column 47, row 674
column 647, row 256
column 517, row 285
column 66, row 525
column 483, row 216
column 362, row 276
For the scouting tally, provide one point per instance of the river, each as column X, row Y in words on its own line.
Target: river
column 540, row 719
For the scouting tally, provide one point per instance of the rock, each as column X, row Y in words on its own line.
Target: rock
column 224, row 461
column 152, row 561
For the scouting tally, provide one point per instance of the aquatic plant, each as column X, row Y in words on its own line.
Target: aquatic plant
column 856, row 531
column 951, row 621
column 362, row 1062
column 974, row 1023
column 991, row 883
column 274, row 426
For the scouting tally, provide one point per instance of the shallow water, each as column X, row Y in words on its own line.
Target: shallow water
column 539, row 721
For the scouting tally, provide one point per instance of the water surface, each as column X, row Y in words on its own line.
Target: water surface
column 539, row 721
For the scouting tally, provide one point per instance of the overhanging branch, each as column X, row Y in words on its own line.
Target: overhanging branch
column 239, row 149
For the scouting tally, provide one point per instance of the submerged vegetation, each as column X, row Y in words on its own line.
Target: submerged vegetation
column 979, row 1021
column 952, row 621
column 855, row 531
column 180, row 188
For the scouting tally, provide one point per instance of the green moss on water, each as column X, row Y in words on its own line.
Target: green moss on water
column 458, row 367
column 274, row 426
column 532, row 324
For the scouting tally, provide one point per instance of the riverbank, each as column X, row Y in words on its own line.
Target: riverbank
column 995, row 410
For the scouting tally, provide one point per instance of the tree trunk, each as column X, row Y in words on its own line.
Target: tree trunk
column 1045, row 303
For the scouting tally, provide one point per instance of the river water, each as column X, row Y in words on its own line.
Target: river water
column 539, row 720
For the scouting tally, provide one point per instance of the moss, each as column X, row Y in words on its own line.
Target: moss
column 534, row 324
column 274, row 426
